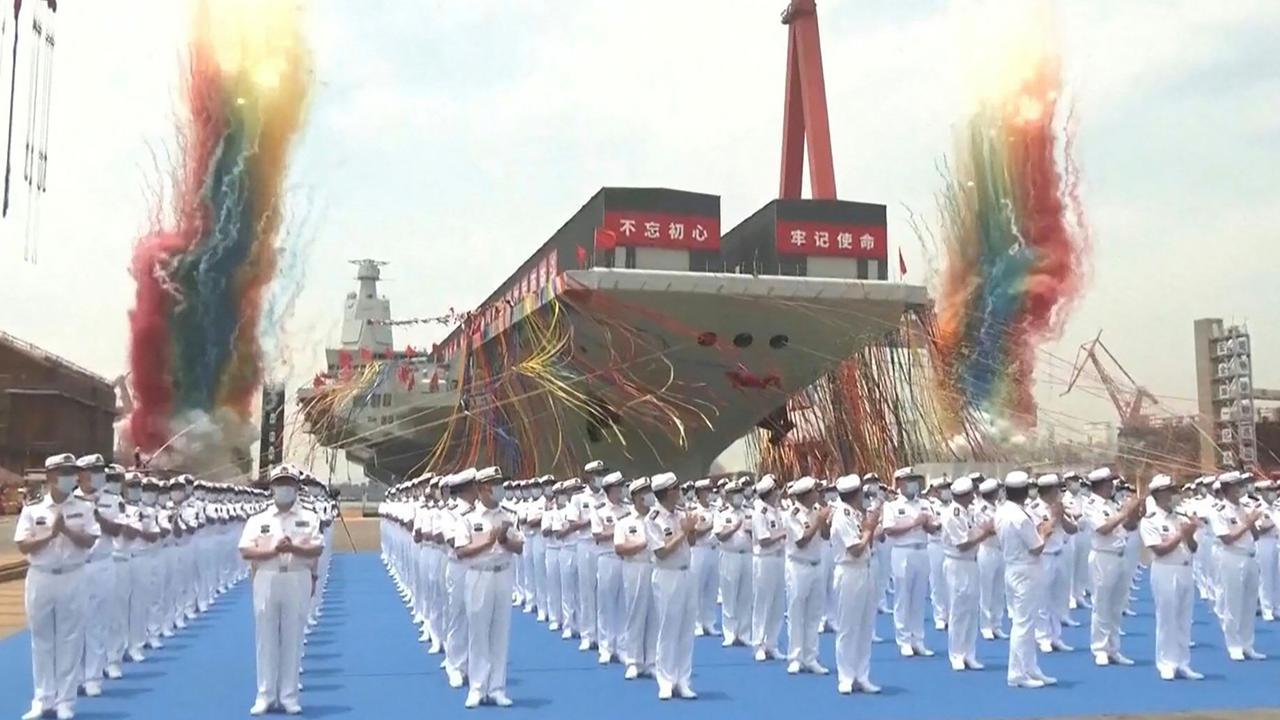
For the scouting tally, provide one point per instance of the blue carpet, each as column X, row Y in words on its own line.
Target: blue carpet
column 364, row 662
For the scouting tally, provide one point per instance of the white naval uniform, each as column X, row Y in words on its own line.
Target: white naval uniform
column 1238, row 577
column 583, row 507
column 489, row 579
column 138, row 550
column 553, row 522
column 735, row 574
column 638, row 626
column 910, row 570
column 1055, row 594
column 118, row 635
column 991, row 600
column 609, row 579
column 281, row 598
column 855, row 596
column 961, row 570
column 1173, row 587
column 455, row 588
column 673, row 598
column 806, row 591
column 767, row 586
column 1107, row 570
column 1202, row 508
column 938, row 592
column 706, row 569
column 1268, row 565
column 100, row 593
column 1076, row 554
column 535, row 554
column 55, row 598
column 1022, row 572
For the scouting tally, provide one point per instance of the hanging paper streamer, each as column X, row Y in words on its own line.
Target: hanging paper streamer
column 1013, row 243
column 202, row 274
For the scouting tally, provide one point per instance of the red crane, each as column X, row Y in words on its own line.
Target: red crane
column 804, row 112
column 1128, row 401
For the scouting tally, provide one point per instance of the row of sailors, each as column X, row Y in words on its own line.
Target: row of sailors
column 597, row 553
column 117, row 563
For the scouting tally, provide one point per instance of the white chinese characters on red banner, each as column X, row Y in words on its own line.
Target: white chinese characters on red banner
column 832, row 240
column 665, row 230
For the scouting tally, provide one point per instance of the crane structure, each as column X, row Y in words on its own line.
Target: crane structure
column 1128, row 401
column 1145, row 445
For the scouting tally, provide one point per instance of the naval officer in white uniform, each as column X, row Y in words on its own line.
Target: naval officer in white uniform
column 1171, row 538
column 281, row 543
column 671, row 535
column 1022, row 542
column 56, row 534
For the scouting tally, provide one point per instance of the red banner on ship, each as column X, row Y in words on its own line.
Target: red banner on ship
column 663, row 230
column 832, row 240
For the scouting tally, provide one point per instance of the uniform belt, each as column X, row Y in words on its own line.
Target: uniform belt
column 57, row 570
column 909, row 546
column 962, row 558
column 1238, row 553
column 1051, row 554
column 805, row 561
column 277, row 568
column 1162, row 563
column 120, row 558
column 677, row 567
column 777, row 555
column 1109, row 551
column 492, row 568
column 97, row 559
column 735, row 552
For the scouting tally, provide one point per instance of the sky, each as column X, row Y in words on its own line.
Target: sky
column 451, row 139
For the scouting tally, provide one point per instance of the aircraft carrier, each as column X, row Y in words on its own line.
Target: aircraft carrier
column 722, row 329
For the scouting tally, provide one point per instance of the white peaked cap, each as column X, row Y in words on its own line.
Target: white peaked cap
column 802, row 486
column 962, row 486
column 1017, row 479
column 848, row 483
column 663, row 481
column 1160, row 482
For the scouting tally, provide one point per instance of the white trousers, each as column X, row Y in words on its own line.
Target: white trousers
column 706, row 573
column 55, row 614
column 455, row 616
column 118, row 639
column 552, row 563
column 882, row 564
column 488, row 601
column 674, row 602
column 1022, row 583
column 435, row 593
column 1055, row 596
column 638, row 640
column 568, row 570
column 1081, row 582
column 587, row 580
column 937, row 582
column 991, row 582
column 608, row 600
column 806, row 598
column 1238, row 578
column 1110, row 591
column 1268, row 599
column 99, row 591
column 735, row 595
column 910, row 591
column 1173, row 587
column 280, row 603
column 768, row 595
column 537, row 554
column 856, row 598
column 962, row 622
column 140, row 583
column 829, row 614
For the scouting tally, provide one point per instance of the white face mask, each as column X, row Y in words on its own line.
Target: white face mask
column 946, row 496
column 499, row 493
column 736, row 500
column 910, row 490
column 113, row 487
column 650, row 500
column 97, row 480
column 148, row 498
column 178, row 496
column 133, row 494
column 284, row 494
column 200, row 495
column 66, row 484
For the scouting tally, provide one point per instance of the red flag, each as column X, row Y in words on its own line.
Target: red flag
column 435, row 381
column 409, row 351
column 344, row 359
column 317, row 381
column 366, row 355
column 582, row 257
column 902, row 264
column 606, row 239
